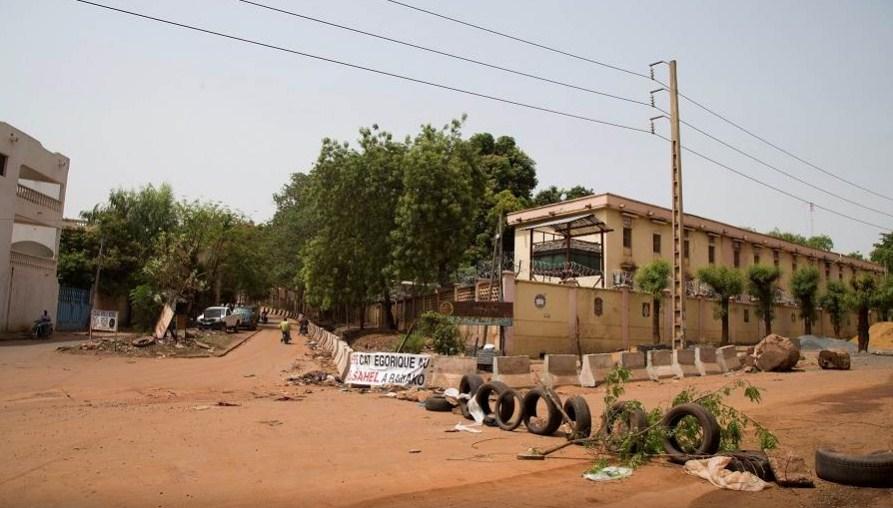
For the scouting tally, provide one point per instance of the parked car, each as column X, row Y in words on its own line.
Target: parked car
column 248, row 316
column 220, row 318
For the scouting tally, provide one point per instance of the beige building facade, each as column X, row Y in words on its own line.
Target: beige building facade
column 638, row 233
column 33, row 182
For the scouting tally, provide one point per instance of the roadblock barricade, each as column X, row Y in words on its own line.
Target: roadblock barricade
column 560, row 370
column 705, row 361
column 684, row 360
column 727, row 358
column 595, row 367
column 513, row 371
column 447, row 371
column 635, row 362
column 660, row 364
column 331, row 343
column 343, row 362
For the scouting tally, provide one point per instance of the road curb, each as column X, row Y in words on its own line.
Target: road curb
column 237, row 344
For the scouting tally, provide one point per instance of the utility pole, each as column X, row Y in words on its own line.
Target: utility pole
column 95, row 287
column 678, row 303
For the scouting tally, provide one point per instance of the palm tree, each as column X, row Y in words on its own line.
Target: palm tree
column 653, row 279
column 726, row 283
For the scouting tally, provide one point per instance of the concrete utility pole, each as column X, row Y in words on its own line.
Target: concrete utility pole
column 678, row 303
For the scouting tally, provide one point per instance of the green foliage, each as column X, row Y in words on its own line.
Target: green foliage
column 821, row 242
column 861, row 299
column 835, row 303
column 883, row 252
column 414, row 343
column 444, row 333
column 146, row 304
column 725, row 282
column 78, row 250
column 856, row 254
column 635, row 449
column 762, row 284
column 504, row 165
column 553, row 194
column 654, row 277
column 804, row 288
column 883, row 299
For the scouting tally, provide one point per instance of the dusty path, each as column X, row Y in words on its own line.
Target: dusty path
column 105, row 431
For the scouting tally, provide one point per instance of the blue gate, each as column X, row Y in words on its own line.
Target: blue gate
column 73, row 312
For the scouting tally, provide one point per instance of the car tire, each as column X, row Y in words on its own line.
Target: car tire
column 470, row 383
column 710, row 432
column 553, row 418
column 872, row 470
column 577, row 410
column 633, row 418
column 438, row 404
column 483, row 399
column 509, row 410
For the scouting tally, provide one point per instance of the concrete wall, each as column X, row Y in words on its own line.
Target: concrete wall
column 570, row 311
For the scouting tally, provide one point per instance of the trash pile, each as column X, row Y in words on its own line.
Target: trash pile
column 315, row 377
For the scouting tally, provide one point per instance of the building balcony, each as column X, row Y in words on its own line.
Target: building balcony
column 36, row 206
column 34, row 262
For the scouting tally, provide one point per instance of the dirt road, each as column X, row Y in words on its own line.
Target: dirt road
column 109, row 431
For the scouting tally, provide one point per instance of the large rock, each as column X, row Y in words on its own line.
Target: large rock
column 776, row 353
column 834, row 359
column 789, row 469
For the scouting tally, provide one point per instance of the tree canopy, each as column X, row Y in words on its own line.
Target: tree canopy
column 821, row 242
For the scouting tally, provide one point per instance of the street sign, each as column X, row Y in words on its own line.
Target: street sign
column 104, row 320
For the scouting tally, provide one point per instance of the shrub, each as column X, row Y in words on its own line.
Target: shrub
column 443, row 332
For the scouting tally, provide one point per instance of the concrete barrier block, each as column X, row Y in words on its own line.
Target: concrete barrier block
column 513, row 371
column 331, row 343
column 635, row 362
column 595, row 368
column 705, row 361
column 343, row 364
column 684, row 361
column 447, row 371
column 560, row 370
column 727, row 358
column 660, row 364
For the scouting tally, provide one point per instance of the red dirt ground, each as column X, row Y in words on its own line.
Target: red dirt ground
column 109, row 431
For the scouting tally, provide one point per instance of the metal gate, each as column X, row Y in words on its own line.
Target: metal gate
column 73, row 312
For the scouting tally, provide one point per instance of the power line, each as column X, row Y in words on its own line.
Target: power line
column 367, row 69
column 779, row 170
column 459, row 90
column 776, row 189
column 444, row 53
column 556, row 82
column 634, row 73
column 519, row 39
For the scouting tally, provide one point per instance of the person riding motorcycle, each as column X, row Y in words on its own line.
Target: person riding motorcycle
column 43, row 327
column 285, row 326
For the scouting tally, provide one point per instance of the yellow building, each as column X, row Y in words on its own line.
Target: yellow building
column 614, row 235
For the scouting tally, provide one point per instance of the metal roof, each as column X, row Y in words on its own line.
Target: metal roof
column 573, row 225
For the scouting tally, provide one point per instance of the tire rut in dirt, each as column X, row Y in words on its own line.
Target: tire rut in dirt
column 542, row 426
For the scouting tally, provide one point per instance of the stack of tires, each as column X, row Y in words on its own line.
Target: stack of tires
column 508, row 408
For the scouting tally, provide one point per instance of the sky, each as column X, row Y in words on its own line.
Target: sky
column 133, row 102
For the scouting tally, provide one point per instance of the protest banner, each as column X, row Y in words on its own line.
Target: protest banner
column 377, row 369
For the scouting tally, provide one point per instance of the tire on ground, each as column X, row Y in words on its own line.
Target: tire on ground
column 710, row 432
column 577, row 409
column 483, row 399
column 437, row 403
column 509, row 410
column 633, row 420
column 534, row 423
column 468, row 384
column 872, row 470
column 751, row 461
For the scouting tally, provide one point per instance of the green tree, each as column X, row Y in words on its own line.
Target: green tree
column 504, row 165
column 856, row 254
column 805, row 287
column 835, row 303
column 821, row 242
column 861, row 300
column 553, row 194
column 883, row 252
column 442, row 188
column 762, row 284
column 725, row 282
column 883, row 299
column 78, row 250
column 653, row 279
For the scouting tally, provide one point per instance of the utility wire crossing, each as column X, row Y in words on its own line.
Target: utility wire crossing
column 458, row 90
column 649, row 77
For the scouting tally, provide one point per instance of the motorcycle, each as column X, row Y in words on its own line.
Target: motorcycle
column 304, row 328
column 286, row 337
column 42, row 329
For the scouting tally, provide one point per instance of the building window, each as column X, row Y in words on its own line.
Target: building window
column 646, row 309
column 627, row 238
column 794, row 265
column 756, row 259
column 655, row 241
column 2, row 164
column 685, row 249
column 775, row 260
column 598, row 306
column 711, row 254
column 747, row 315
column 736, row 258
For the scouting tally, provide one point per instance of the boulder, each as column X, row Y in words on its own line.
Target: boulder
column 789, row 469
column 776, row 353
column 834, row 359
